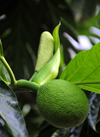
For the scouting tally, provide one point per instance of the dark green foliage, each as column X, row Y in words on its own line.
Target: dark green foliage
column 10, row 113
column 4, row 132
column 20, row 30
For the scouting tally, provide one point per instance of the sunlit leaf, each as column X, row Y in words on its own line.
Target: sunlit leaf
column 11, row 113
column 84, row 69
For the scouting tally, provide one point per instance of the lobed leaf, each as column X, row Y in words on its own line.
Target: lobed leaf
column 4, row 132
column 11, row 113
column 94, row 102
column 84, row 69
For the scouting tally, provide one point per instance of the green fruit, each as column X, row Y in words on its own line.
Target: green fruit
column 62, row 104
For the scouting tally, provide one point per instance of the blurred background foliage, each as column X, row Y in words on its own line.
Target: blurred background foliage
column 21, row 24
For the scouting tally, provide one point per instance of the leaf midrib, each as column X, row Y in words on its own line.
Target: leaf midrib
column 79, row 67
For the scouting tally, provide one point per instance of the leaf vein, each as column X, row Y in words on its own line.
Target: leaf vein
column 91, row 73
column 92, row 87
column 79, row 67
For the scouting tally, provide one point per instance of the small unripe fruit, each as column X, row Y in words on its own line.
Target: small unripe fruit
column 62, row 103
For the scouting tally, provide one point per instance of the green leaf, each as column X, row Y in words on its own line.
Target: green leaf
column 84, row 69
column 4, row 75
column 1, row 49
column 56, row 37
column 11, row 113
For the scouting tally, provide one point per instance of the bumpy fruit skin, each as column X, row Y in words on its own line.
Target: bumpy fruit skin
column 62, row 104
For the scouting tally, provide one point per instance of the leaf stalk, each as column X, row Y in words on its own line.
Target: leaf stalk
column 11, row 74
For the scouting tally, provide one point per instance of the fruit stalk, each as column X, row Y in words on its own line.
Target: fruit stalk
column 24, row 84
